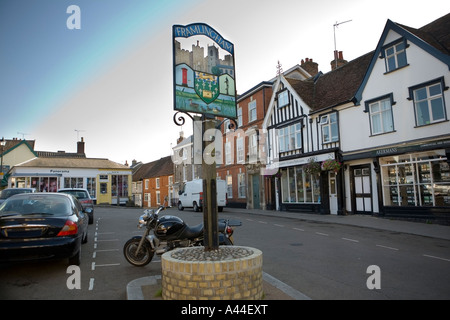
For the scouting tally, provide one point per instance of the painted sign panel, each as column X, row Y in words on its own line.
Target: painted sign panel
column 204, row 73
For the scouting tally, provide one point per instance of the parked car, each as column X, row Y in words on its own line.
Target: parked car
column 42, row 225
column 8, row 192
column 84, row 197
column 191, row 196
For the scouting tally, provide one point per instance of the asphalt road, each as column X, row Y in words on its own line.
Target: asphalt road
column 321, row 260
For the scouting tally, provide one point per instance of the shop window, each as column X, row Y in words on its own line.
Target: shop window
column 73, row 182
column 119, row 185
column 91, row 187
column 416, row 180
column 299, row 187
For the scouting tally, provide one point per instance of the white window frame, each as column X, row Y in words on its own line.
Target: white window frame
column 327, row 124
column 228, row 152
column 290, row 137
column 239, row 114
column 240, row 151
column 380, row 115
column 429, row 99
column 283, row 98
column 252, row 114
column 394, row 55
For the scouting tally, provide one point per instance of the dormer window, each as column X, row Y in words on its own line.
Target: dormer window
column 394, row 55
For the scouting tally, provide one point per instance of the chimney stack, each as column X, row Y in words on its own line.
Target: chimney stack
column 310, row 66
column 338, row 60
column 80, row 146
column 181, row 138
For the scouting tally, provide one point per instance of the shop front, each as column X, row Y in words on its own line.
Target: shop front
column 408, row 181
column 105, row 185
column 418, row 183
column 302, row 185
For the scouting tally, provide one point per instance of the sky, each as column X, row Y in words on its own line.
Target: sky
column 111, row 80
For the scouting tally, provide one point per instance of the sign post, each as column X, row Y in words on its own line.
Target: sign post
column 204, row 83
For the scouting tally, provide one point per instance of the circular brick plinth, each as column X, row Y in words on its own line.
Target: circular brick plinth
column 230, row 273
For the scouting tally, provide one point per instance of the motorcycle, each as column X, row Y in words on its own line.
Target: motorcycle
column 166, row 233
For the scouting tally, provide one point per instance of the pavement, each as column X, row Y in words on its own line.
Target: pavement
column 149, row 288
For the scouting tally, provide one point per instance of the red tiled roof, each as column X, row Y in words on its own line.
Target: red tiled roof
column 158, row 168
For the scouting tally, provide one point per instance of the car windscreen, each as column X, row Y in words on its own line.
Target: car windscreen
column 76, row 193
column 36, row 205
column 5, row 194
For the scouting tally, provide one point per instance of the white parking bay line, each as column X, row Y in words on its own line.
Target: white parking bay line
column 348, row 239
column 91, row 284
column 322, row 234
column 390, row 248
column 434, row 257
column 103, row 265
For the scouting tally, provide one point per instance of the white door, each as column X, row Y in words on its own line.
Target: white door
column 363, row 190
column 332, row 192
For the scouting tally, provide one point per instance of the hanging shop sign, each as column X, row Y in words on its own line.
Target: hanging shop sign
column 204, row 73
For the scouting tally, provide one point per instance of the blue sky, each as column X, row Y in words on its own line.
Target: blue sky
column 112, row 79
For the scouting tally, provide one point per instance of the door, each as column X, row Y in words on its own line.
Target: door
column 332, row 192
column 362, row 192
column 255, row 190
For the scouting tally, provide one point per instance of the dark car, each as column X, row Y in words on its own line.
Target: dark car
column 42, row 225
column 6, row 193
column 84, row 197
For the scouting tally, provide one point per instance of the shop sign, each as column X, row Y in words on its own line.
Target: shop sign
column 204, row 72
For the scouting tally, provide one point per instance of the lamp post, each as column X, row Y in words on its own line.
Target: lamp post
column 2, row 143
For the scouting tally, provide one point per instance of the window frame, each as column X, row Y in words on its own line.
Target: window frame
column 378, row 100
column 290, row 132
column 252, row 106
column 283, row 98
column 395, row 54
column 327, row 123
column 427, row 85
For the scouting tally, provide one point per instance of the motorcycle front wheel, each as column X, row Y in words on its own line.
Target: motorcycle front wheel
column 138, row 259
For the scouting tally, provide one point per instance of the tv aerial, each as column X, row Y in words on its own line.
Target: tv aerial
column 334, row 32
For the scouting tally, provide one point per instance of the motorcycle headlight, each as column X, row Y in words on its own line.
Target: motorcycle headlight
column 147, row 215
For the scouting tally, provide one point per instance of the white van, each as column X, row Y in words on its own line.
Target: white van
column 192, row 195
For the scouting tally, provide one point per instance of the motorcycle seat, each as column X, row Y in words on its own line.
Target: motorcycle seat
column 192, row 232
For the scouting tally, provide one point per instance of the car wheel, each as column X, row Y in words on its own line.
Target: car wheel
column 85, row 238
column 76, row 259
column 180, row 206
column 196, row 208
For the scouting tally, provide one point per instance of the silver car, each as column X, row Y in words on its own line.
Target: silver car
column 85, row 199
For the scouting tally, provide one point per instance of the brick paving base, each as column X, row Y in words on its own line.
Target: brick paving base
column 228, row 279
